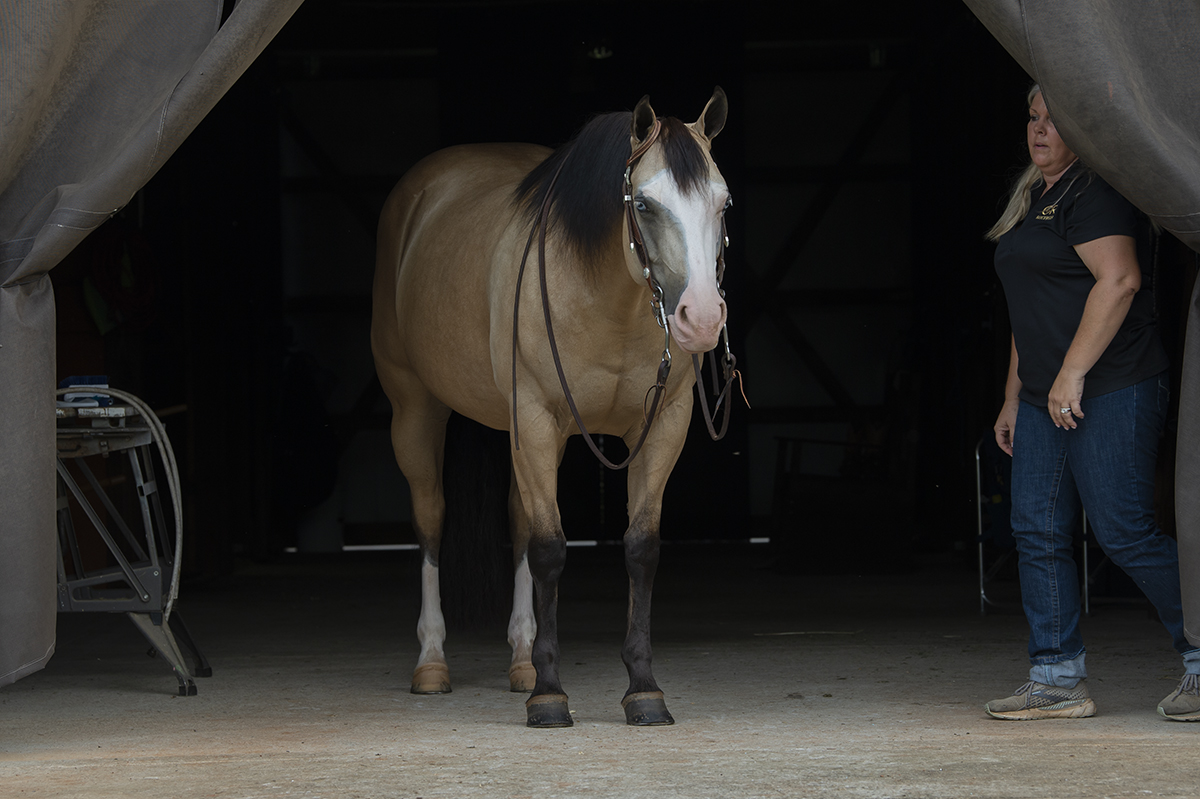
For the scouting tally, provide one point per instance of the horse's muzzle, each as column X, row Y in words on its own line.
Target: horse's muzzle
column 697, row 327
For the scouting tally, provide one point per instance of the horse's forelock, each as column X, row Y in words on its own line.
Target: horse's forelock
column 685, row 158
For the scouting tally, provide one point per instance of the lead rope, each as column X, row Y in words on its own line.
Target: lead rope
column 729, row 363
column 664, row 366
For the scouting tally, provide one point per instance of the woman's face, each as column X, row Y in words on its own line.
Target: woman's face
column 1045, row 147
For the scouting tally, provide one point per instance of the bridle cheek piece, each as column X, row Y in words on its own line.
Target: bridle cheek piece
column 638, row 245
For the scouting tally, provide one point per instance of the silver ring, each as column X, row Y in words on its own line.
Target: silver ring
column 1064, row 410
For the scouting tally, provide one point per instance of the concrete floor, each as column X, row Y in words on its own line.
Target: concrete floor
column 782, row 686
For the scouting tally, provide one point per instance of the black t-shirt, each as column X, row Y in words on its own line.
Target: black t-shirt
column 1047, row 286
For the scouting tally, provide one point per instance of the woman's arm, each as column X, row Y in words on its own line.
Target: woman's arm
column 1006, row 422
column 1112, row 260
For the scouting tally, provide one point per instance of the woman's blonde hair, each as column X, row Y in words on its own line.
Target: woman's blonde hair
column 1018, row 200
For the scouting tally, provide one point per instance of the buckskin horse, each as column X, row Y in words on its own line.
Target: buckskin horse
column 626, row 223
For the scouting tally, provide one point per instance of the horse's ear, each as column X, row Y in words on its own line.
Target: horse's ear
column 712, row 118
column 643, row 120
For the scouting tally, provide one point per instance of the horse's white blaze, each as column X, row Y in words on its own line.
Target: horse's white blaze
column 698, row 317
column 522, row 628
column 431, row 626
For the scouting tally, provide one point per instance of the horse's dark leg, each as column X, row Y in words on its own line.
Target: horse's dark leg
column 643, row 702
column 547, row 555
column 535, row 466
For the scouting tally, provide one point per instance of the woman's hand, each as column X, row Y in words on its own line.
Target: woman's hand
column 1006, row 425
column 1066, row 396
column 1006, row 422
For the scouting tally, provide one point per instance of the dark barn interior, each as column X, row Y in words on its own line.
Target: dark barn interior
column 868, row 148
column 866, row 152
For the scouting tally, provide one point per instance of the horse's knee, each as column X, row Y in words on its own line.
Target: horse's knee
column 547, row 556
column 642, row 552
column 642, row 547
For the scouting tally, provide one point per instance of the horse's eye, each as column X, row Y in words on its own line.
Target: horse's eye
column 728, row 203
column 640, row 206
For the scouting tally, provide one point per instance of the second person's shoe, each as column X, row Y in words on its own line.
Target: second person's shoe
column 1184, row 702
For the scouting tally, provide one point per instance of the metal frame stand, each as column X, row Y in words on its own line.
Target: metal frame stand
column 139, row 585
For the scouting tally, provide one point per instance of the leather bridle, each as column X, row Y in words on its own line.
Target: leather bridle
column 638, row 246
column 729, row 362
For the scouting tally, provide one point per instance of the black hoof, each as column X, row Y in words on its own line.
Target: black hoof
column 548, row 710
column 646, row 709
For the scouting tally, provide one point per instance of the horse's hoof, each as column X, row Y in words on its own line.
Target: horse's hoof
column 521, row 677
column 548, row 710
column 646, row 709
column 432, row 678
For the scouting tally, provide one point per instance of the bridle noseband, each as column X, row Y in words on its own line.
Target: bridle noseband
column 638, row 246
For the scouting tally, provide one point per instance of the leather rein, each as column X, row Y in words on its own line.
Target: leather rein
column 638, row 246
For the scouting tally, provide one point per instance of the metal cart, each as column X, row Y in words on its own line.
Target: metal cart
column 140, row 575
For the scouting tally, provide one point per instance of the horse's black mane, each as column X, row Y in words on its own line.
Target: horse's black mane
column 587, row 203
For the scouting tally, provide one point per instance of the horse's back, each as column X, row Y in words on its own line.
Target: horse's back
column 444, row 225
column 479, row 176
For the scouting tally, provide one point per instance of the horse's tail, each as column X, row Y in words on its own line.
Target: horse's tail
column 475, row 564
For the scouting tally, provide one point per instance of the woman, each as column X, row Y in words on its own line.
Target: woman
column 1084, row 407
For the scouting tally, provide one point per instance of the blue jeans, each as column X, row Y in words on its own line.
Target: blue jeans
column 1105, row 466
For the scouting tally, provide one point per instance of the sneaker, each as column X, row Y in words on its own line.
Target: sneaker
column 1184, row 703
column 1033, row 700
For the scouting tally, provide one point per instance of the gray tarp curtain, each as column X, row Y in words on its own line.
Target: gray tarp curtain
column 95, row 95
column 1123, row 81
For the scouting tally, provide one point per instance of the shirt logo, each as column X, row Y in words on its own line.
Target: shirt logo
column 1048, row 212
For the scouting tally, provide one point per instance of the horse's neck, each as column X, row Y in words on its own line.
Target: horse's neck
column 602, row 294
column 615, row 294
